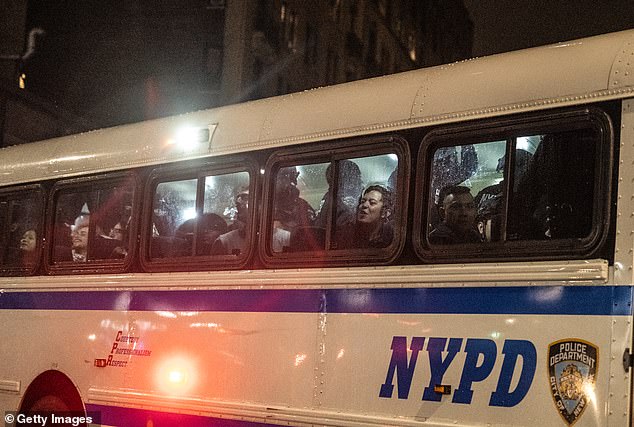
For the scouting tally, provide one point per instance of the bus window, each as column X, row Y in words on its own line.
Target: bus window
column 298, row 194
column 226, row 213
column 346, row 204
column 552, row 195
column 526, row 186
column 466, row 193
column 92, row 224
column 20, row 219
column 366, row 200
column 206, row 216
column 174, row 206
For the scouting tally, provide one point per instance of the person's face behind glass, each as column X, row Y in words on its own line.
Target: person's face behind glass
column 459, row 212
column 80, row 237
column 242, row 205
column 28, row 241
column 370, row 208
column 117, row 232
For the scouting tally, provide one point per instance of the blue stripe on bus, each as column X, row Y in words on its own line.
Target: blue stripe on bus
column 132, row 417
column 568, row 300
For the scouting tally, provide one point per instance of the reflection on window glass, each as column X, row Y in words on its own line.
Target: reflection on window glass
column 346, row 204
column 226, row 215
column 369, row 221
column 215, row 225
column 19, row 223
column 553, row 192
column 92, row 225
column 297, row 198
column 451, row 166
column 550, row 195
column 466, row 193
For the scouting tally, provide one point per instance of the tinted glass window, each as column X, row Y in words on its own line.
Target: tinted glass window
column 298, row 195
column 534, row 185
column 344, row 204
column 369, row 216
column 466, row 193
column 553, row 186
column 92, row 223
column 21, row 233
column 206, row 216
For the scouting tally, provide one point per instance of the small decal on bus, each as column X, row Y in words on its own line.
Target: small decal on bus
column 572, row 368
column 131, row 347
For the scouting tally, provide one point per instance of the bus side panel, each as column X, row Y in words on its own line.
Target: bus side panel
column 486, row 367
column 360, row 377
column 463, row 356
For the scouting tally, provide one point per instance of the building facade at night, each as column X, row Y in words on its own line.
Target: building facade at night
column 93, row 65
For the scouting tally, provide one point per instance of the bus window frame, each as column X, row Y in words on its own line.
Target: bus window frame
column 90, row 184
column 328, row 152
column 499, row 129
column 197, row 170
column 15, row 192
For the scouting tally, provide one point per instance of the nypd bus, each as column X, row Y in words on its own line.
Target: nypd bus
column 447, row 246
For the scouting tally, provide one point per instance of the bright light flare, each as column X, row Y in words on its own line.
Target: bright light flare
column 189, row 213
column 189, row 138
column 176, row 375
column 590, row 391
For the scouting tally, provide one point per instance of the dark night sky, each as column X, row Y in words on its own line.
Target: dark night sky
column 505, row 25
column 99, row 41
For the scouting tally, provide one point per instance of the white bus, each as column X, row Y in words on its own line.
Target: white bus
column 447, row 246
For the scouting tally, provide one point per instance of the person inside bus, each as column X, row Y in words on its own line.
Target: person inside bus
column 554, row 197
column 118, row 231
column 79, row 242
column 234, row 242
column 290, row 210
column 349, row 186
column 490, row 200
column 489, row 207
column 119, row 234
column 28, row 242
column 210, row 227
column 372, row 227
column 79, row 237
column 457, row 212
column 281, row 237
column 26, row 254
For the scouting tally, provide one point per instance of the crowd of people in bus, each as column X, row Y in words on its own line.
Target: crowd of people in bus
column 72, row 241
column 351, row 214
column 361, row 218
column 539, row 209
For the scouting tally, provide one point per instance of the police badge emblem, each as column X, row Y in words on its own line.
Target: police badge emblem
column 572, row 368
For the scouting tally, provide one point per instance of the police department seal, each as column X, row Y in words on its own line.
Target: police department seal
column 572, row 367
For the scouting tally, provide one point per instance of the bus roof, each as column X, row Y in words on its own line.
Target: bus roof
column 581, row 71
